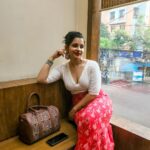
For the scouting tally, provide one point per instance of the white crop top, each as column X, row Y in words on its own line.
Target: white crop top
column 90, row 79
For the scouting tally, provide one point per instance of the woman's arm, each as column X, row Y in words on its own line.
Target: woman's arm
column 82, row 103
column 43, row 74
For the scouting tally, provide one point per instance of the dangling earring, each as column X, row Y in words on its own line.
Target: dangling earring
column 67, row 56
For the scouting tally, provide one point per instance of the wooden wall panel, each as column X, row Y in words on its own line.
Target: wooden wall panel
column 112, row 3
column 125, row 140
column 13, row 101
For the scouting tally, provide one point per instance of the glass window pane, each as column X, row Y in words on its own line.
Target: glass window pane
column 125, row 53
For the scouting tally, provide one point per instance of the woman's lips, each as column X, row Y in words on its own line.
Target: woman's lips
column 78, row 53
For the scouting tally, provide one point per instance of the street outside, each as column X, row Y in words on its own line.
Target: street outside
column 131, row 100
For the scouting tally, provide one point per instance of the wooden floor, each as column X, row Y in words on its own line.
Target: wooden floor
column 15, row 144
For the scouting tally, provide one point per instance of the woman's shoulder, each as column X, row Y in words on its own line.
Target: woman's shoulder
column 93, row 65
column 62, row 66
column 92, row 62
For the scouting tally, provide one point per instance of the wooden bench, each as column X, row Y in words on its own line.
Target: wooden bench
column 13, row 101
column 127, row 135
column 15, row 144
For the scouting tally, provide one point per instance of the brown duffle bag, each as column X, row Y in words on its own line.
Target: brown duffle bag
column 38, row 122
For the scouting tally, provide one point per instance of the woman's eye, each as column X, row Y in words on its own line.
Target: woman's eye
column 81, row 46
column 76, row 45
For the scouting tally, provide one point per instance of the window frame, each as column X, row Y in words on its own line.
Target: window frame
column 112, row 15
column 121, row 13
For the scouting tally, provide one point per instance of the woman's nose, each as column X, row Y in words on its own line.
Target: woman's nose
column 79, row 48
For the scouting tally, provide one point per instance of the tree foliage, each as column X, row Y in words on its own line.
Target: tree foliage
column 105, row 43
column 146, row 39
column 141, row 37
column 104, row 31
column 119, row 38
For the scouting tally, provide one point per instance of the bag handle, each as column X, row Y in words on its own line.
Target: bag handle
column 29, row 99
column 36, row 107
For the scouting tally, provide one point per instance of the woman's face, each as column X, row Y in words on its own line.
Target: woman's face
column 76, row 48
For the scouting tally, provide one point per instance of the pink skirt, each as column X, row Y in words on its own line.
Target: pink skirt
column 93, row 127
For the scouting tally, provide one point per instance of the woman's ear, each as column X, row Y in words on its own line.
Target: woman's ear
column 66, row 47
column 67, row 52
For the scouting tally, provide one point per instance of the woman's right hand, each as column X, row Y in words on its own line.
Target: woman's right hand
column 43, row 74
column 58, row 53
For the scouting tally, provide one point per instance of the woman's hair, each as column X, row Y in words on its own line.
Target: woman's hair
column 69, row 37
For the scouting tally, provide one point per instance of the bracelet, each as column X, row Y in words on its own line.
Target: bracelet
column 49, row 62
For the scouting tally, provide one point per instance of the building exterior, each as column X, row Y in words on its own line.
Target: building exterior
column 126, row 17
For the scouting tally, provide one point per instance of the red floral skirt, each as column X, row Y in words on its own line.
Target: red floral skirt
column 93, row 127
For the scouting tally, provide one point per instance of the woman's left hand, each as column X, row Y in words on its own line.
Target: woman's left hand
column 72, row 113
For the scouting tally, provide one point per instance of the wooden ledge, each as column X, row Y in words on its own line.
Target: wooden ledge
column 132, row 127
column 15, row 83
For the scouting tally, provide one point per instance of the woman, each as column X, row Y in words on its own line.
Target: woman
column 92, row 108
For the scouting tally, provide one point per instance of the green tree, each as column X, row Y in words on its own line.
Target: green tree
column 137, row 37
column 104, row 31
column 141, row 37
column 146, row 39
column 120, row 38
column 105, row 43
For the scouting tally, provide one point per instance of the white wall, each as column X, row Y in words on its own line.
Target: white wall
column 31, row 30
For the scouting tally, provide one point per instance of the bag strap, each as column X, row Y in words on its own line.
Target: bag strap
column 29, row 99
column 37, row 107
